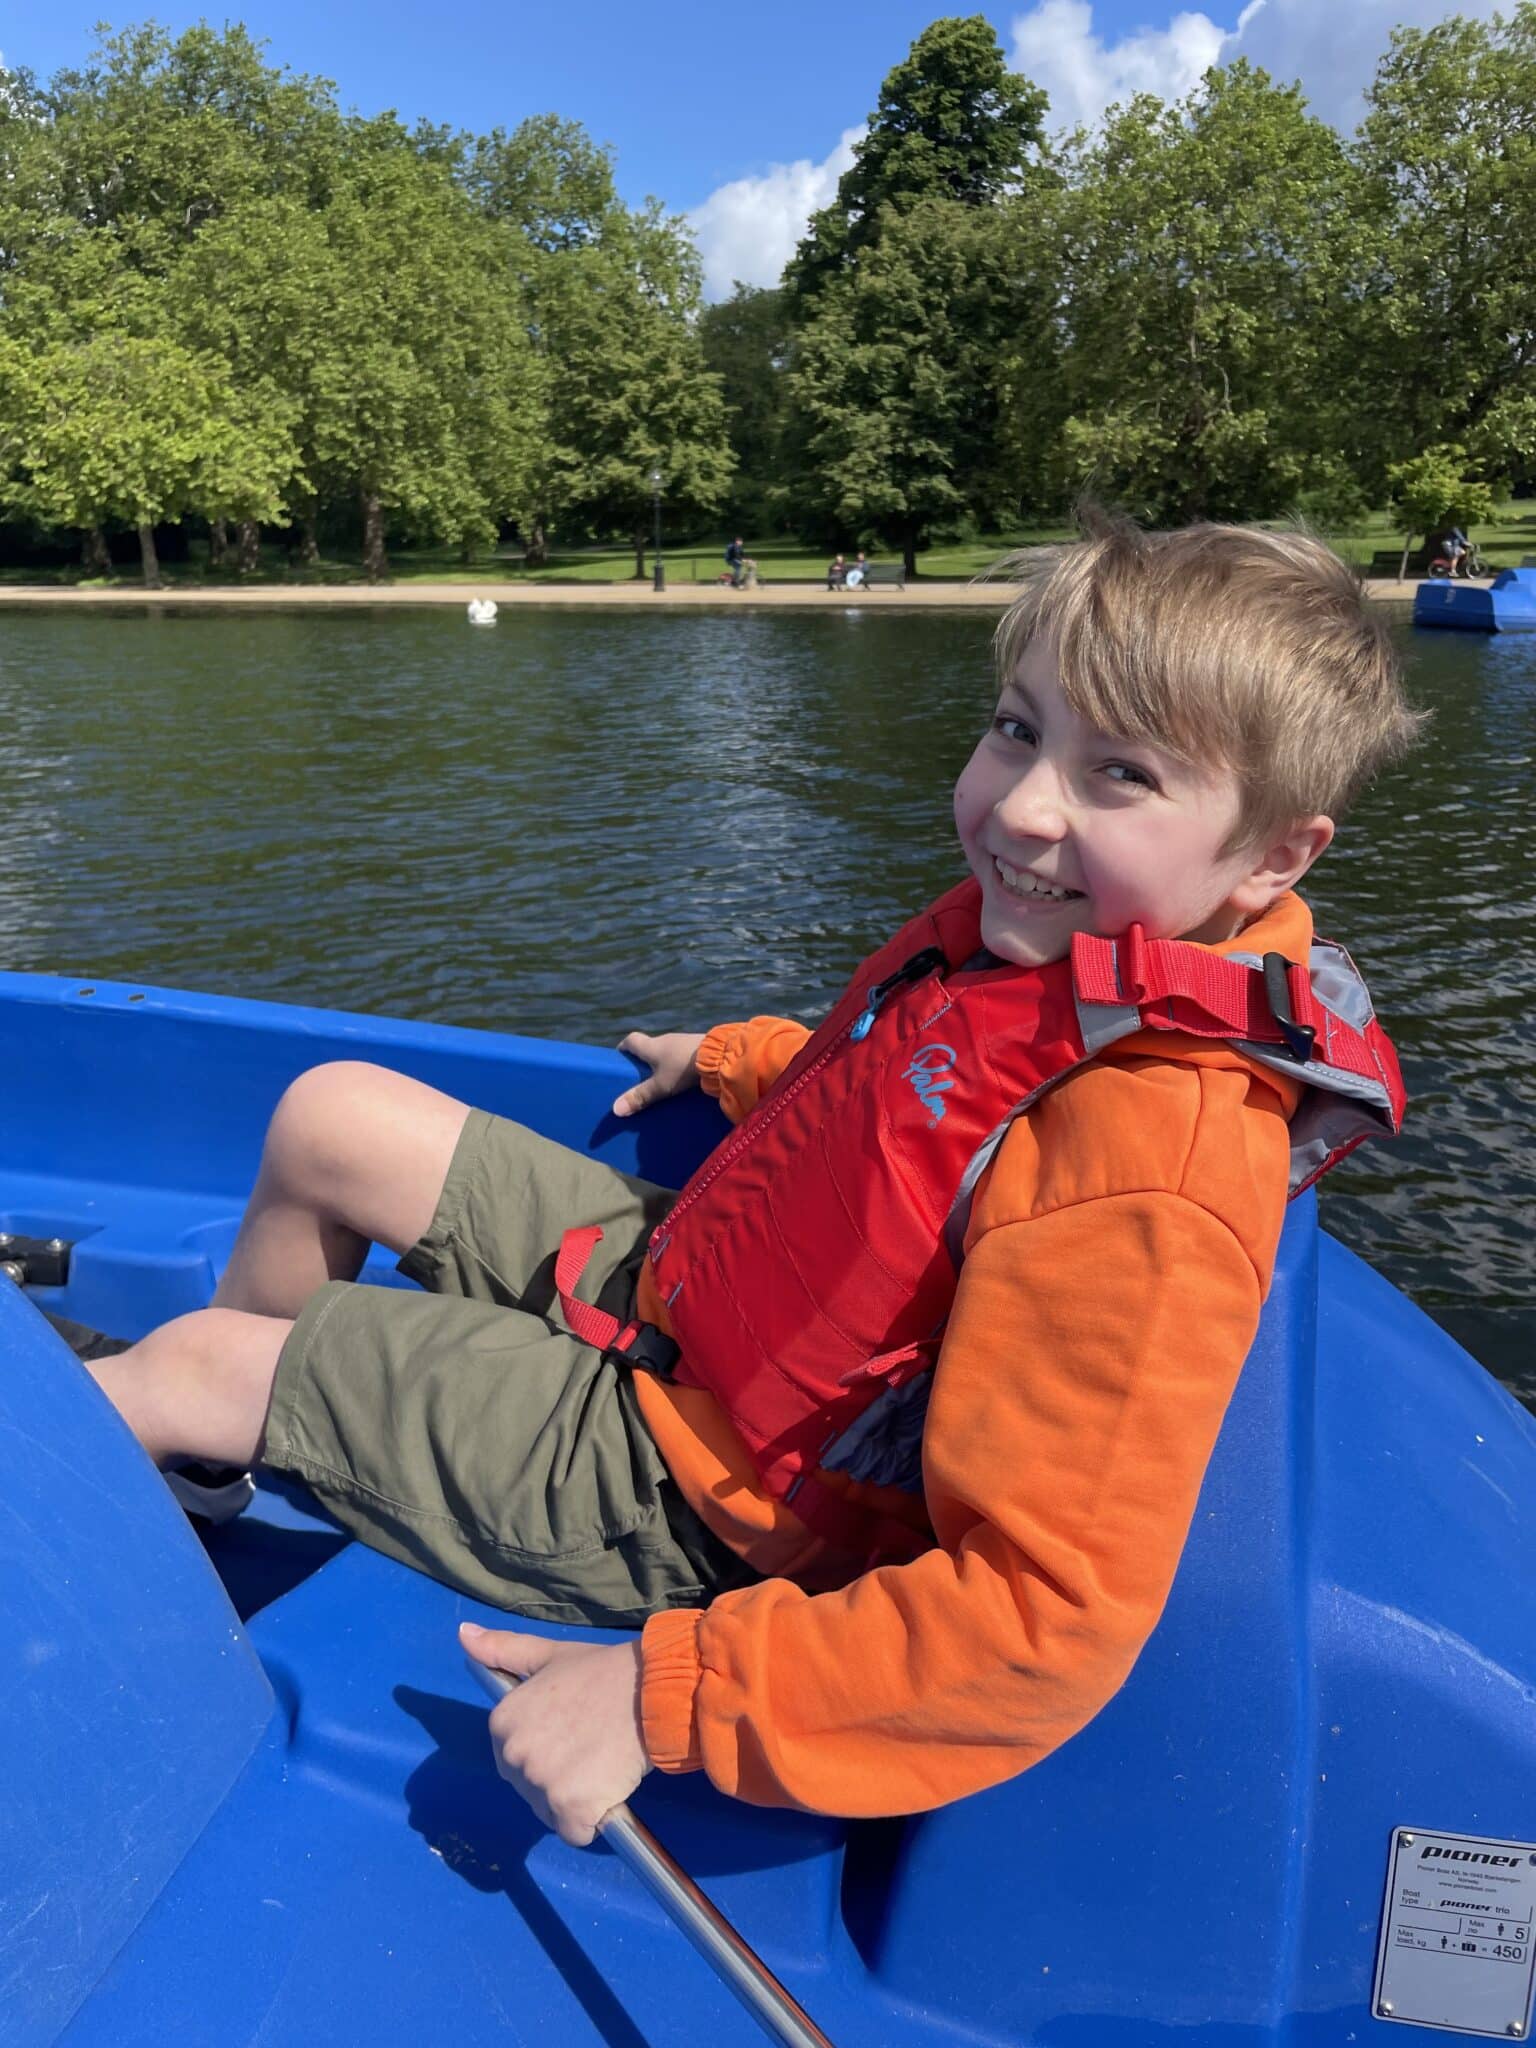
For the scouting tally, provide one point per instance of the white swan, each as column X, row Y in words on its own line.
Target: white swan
column 482, row 611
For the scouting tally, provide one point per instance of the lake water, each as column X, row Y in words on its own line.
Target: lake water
column 579, row 821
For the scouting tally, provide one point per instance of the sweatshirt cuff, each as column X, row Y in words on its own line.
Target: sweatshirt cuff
column 719, row 1045
column 669, row 1687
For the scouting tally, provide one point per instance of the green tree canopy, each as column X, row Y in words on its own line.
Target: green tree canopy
column 628, row 393
column 893, row 379
column 424, row 399
column 1449, row 145
column 953, row 123
column 1205, row 265
column 744, row 341
column 133, row 430
column 1434, row 491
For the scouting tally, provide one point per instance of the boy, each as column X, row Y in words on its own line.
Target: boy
column 957, row 1310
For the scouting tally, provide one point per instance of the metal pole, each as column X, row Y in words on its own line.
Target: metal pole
column 659, row 578
column 736, row 1965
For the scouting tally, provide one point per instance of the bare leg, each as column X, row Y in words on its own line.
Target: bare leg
column 198, row 1387
column 354, row 1154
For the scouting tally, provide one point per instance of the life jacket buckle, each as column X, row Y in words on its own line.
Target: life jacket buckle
column 1300, row 1039
column 644, row 1348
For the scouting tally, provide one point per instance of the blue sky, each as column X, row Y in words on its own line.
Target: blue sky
column 741, row 117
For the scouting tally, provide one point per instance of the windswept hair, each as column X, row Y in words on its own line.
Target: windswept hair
column 1229, row 647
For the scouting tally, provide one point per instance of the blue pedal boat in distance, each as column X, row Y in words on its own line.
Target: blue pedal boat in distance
column 246, row 1794
column 1507, row 605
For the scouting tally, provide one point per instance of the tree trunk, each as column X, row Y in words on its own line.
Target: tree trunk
column 536, row 547
column 909, row 556
column 1402, row 567
column 250, row 547
column 94, row 555
column 640, row 556
column 218, row 543
column 309, row 537
column 375, row 561
column 151, row 559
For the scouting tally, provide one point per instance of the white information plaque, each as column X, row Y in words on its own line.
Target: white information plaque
column 1456, row 1934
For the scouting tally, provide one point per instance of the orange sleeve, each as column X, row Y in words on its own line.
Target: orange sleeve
column 738, row 1061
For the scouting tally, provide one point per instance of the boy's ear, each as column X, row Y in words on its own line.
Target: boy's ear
column 1280, row 863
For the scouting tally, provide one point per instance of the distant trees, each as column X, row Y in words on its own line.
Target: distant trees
column 1215, row 309
column 745, row 343
column 224, row 299
column 900, row 298
column 1204, row 253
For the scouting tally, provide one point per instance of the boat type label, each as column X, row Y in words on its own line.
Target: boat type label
column 1456, row 1934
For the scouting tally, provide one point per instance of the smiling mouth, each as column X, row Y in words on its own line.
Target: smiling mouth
column 1029, row 888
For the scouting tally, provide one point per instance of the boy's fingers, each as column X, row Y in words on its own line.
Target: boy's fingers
column 503, row 1649
column 638, row 1044
column 636, row 1097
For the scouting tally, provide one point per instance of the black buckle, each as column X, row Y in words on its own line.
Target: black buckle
column 34, row 1261
column 1300, row 1039
column 649, row 1350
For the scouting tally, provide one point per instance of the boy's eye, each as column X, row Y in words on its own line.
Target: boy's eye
column 1014, row 729
column 1128, row 774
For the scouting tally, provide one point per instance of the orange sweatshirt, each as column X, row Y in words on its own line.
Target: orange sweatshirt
column 1119, row 1248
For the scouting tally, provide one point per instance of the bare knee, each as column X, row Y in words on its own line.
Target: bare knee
column 363, row 1147
column 324, row 1126
column 198, row 1386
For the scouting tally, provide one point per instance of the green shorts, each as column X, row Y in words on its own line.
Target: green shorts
column 465, row 1431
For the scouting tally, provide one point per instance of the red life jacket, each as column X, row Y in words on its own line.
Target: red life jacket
column 809, row 1266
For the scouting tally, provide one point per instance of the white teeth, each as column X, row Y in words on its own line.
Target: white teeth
column 1021, row 884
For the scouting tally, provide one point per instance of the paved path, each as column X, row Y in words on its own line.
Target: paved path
column 683, row 596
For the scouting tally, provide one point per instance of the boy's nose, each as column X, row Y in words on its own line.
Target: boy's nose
column 1033, row 809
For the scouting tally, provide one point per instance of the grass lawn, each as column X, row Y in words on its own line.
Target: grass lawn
column 1505, row 542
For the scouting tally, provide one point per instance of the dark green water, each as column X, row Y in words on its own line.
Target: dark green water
column 578, row 822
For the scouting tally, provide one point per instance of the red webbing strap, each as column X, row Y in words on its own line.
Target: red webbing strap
column 894, row 1367
column 593, row 1326
column 1143, row 972
column 1177, row 986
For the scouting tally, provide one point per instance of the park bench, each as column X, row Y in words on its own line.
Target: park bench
column 884, row 572
column 1388, row 562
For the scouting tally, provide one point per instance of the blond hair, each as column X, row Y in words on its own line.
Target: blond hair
column 1227, row 646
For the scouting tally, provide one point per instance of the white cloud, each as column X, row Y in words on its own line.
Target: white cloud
column 747, row 230
column 1054, row 44
column 1332, row 48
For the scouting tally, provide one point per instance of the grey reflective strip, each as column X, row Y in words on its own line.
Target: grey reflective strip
column 1318, row 1074
column 1102, row 1023
column 959, row 1216
column 1337, row 984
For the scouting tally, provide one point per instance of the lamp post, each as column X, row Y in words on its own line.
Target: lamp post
column 659, row 574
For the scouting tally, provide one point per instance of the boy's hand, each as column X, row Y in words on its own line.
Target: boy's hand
column 674, row 1062
column 569, row 1736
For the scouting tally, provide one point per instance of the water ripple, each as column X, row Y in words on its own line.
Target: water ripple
column 582, row 822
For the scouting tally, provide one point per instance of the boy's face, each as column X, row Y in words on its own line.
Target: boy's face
column 1069, row 829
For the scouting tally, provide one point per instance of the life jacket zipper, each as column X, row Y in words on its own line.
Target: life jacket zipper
column 914, row 970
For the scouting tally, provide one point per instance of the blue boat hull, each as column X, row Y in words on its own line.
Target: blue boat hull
column 1507, row 605
column 286, row 1828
